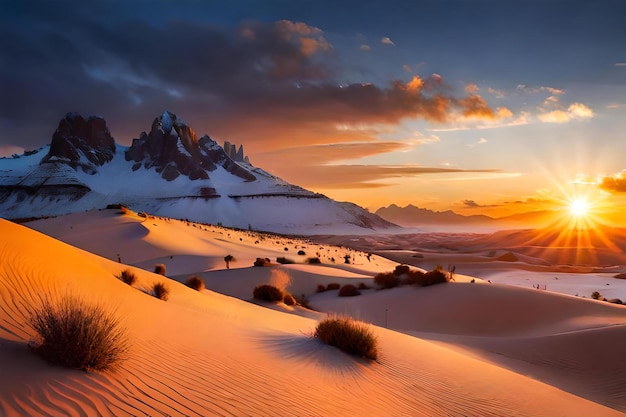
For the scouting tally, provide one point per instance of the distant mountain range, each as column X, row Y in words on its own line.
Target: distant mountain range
column 166, row 172
column 411, row 216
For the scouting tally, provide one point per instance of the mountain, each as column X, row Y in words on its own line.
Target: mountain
column 415, row 216
column 166, row 172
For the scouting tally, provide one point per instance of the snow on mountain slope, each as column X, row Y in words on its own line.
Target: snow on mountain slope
column 167, row 172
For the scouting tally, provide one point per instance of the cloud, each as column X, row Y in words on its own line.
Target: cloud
column 472, row 88
column 480, row 141
column 620, row 64
column 533, row 90
column 613, row 184
column 576, row 111
column 327, row 166
column 387, row 41
column 266, row 84
column 496, row 93
column 365, row 48
column 474, row 204
column 407, row 69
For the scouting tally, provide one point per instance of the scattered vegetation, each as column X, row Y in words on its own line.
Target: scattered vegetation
column 78, row 335
column 320, row 288
column 161, row 291
column 351, row 336
column 596, row 295
column 283, row 260
column 262, row 262
column 314, row 260
column 195, row 282
column 387, row 280
column 289, row 299
column 159, row 269
column 128, row 277
column 301, row 252
column 332, row 286
column 363, row 286
column 349, row 290
column 268, row 292
column 404, row 275
column 228, row 259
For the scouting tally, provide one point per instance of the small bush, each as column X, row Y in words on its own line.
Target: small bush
column 386, row 280
column 436, row 276
column 261, row 262
column 401, row 269
column 128, row 277
column 161, row 291
column 314, row 260
column 301, row 252
column 79, row 335
column 332, row 286
column 195, row 282
column 596, row 295
column 267, row 292
column 159, row 269
column 320, row 288
column 289, row 299
column 363, row 286
column 283, row 260
column 351, row 336
column 349, row 290
column 414, row 277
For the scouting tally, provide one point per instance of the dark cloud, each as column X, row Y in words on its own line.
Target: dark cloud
column 262, row 83
column 474, row 204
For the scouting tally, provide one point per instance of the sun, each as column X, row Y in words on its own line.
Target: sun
column 579, row 207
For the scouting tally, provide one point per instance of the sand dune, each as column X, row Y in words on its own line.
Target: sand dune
column 204, row 353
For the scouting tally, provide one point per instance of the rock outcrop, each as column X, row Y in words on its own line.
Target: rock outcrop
column 81, row 143
column 172, row 149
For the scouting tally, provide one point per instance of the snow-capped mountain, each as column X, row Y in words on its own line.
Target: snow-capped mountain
column 166, row 172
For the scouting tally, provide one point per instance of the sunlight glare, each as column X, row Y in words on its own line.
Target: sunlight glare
column 579, row 207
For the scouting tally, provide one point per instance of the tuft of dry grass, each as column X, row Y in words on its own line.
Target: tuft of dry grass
column 159, row 269
column 349, row 290
column 128, row 277
column 79, row 335
column 195, row 282
column 332, row 286
column 289, row 299
column 161, row 291
column 349, row 335
column 267, row 292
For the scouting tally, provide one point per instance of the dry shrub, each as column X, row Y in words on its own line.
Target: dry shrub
column 161, row 291
column 349, row 290
column 289, row 299
column 320, row 288
column 261, row 262
column 267, row 292
column 128, row 277
column 159, row 269
column 363, row 286
column 283, row 260
column 332, row 286
column 79, row 335
column 387, row 280
column 436, row 276
column 314, row 260
column 195, row 282
column 301, row 252
column 351, row 336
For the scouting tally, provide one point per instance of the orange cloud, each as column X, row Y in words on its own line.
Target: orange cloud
column 472, row 88
column 614, row 184
column 576, row 111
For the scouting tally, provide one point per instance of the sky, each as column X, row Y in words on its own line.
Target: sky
column 480, row 106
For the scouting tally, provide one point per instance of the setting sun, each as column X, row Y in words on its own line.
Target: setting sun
column 579, row 207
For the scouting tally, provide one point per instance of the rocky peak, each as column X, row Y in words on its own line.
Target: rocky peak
column 234, row 154
column 79, row 142
column 172, row 149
